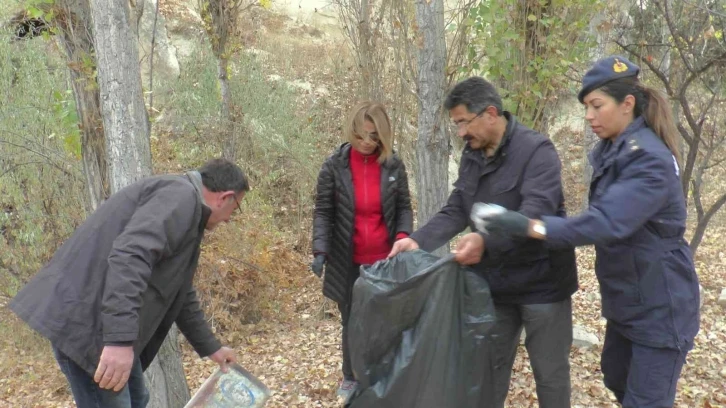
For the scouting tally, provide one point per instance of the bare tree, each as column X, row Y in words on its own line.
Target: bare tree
column 601, row 28
column 70, row 20
column 432, row 146
column 74, row 23
column 126, row 124
column 124, row 115
column 692, row 79
column 220, row 19
column 364, row 26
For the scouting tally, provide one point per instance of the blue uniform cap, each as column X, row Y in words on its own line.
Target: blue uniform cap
column 604, row 71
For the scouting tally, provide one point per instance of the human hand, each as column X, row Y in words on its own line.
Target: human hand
column 509, row 223
column 114, row 367
column 469, row 249
column 402, row 245
column 223, row 356
column 317, row 265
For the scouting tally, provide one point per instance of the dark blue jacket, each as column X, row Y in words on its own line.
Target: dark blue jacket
column 636, row 220
column 522, row 175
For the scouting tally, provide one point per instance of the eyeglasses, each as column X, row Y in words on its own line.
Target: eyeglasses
column 456, row 126
column 237, row 202
column 372, row 136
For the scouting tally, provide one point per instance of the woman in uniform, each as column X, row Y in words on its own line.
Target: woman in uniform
column 636, row 221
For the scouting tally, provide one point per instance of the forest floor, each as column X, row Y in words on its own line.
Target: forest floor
column 295, row 348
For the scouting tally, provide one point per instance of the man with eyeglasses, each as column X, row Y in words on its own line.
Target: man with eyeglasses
column 109, row 296
column 506, row 163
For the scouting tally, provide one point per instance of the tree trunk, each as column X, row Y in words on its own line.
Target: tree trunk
column 591, row 138
column 126, row 123
column 368, row 60
column 432, row 149
column 229, row 144
column 165, row 375
column 225, row 109
column 119, row 77
column 76, row 39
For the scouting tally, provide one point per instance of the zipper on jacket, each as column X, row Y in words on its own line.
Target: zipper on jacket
column 365, row 197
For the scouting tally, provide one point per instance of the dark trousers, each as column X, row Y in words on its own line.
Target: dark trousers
column 88, row 394
column 344, row 308
column 640, row 376
column 548, row 340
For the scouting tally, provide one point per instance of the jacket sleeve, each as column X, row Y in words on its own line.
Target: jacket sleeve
column 192, row 324
column 155, row 230
column 324, row 214
column 443, row 226
column 626, row 205
column 541, row 192
column 404, row 213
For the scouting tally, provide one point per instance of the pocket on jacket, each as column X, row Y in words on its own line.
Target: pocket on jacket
column 504, row 186
column 466, row 187
column 619, row 279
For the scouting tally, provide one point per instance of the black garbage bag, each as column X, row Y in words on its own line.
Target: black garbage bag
column 419, row 334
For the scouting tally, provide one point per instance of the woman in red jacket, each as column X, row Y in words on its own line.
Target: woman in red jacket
column 362, row 206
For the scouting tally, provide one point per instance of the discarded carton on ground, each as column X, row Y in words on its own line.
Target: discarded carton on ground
column 237, row 388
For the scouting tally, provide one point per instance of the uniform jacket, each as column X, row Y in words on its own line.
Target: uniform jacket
column 636, row 220
column 333, row 223
column 523, row 175
column 125, row 275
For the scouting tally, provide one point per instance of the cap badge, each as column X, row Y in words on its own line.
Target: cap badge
column 619, row 66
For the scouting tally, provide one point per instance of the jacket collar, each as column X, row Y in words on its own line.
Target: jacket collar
column 606, row 150
column 196, row 179
column 360, row 158
column 342, row 156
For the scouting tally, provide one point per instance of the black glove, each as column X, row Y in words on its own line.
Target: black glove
column 510, row 223
column 317, row 265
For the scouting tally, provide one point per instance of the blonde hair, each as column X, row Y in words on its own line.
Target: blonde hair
column 375, row 113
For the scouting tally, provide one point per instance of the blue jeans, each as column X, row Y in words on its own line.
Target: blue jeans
column 89, row 395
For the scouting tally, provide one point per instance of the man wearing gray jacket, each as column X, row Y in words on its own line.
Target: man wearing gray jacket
column 110, row 294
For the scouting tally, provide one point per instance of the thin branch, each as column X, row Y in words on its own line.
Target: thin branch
column 697, row 199
column 716, row 163
column 250, row 265
column 704, row 8
column 45, row 156
column 684, row 133
column 629, row 48
column 702, row 118
column 674, row 32
column 11, row 169
column 714, row 209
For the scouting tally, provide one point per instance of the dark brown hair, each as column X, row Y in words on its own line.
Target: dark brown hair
column 652, row 105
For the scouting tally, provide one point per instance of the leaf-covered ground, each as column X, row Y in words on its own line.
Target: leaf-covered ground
column 295, row 351
column 298, row 355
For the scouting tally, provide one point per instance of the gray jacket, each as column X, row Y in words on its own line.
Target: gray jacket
column 125, row 275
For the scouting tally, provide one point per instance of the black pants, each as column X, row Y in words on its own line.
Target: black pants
column 548, row 340
column 638, row 375
column 344, row 308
